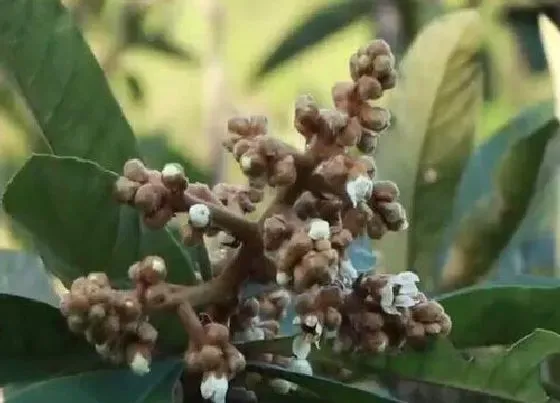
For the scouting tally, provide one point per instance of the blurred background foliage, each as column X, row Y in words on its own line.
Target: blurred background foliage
column 180, row 68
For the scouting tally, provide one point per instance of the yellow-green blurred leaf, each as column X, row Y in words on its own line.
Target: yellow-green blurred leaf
column 436, row 106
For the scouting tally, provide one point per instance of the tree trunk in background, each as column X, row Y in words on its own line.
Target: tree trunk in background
column 214, row 98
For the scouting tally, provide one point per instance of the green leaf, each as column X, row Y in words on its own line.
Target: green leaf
column 476, row 183
column 500, row 314
column 160, row 44
column 436, row 105
column 23, row 274
column 62, row 83
column 322, row 23
column 328, row 390
column 106, row 386
column 35, row 342
column 68, row 204
column 489, row 227
column 512, row 374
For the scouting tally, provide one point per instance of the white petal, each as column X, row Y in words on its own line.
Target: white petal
column 311, row 320
column 318, row 329
column 214, row 388
column 319, row 229
column 404, row 301
column 282, row 278
column 140, row 365
column 173, row 169
column 301, row 347
column 281, row 386
column 405, row 277
column 297, row 320
column 408, row 289
column 387, row 296
column 391, row 310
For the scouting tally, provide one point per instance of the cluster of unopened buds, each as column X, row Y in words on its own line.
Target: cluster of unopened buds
column 326, row 198
column 115, row 321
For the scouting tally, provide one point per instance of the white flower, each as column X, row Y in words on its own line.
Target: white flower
column 171, row 170
column 140, row 365
column 319, row 229
column 103, row 350
column 245, row 163
column 359, row 189
column 347, row 271
column 214, row 388
column 199, row 215
column 158, row 265
column 282, row 278
column 407, row 292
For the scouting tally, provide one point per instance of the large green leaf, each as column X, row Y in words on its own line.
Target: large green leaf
column 67, row 204
column 103, row 386
column 69, row 98
column 23, row 274
column 35, row 342
column 484, row 233
column 436, row 106
column 476, row 183
column 328, row 390
column 62, row 83
column 501, row 314
column 511, row 374
column 322, row 23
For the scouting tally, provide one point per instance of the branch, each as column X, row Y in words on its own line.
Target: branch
column 240, row 227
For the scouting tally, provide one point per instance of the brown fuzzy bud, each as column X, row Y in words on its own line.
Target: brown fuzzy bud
column 173, row 177
column 152, row 270
column 77, row 303
column 322, row 245
column 76, row 323
column 306, row 119
column 297, row 247
column 374, row 118
column 415, row 330
column 393, row 214
column 333, row 318
column 235, row 360
column 433, row 328
column 304, row 303
column 428, row 312
column 275, row 232
column 217, row 334
column 259, row 125
column 350, row 135
column 239, row 125
column 250, row 308
column 100, row 279
column 378, row 47
column 446, row 325
column 389, row 81
column 211, row 357
column 368, row 142
column 386, row 191
column 97, row 313
column 148, row 198
column 284, row 172
column 383, row 65
column 125, row 189
column 98, row 295
column 341, row 239
column 369, row 88
column 135, row 170
column 375, row 342
column 252, row 163
column 371, row 321
column 129, row 308
column 305, row 205
column 365, row 66
column 241, row 147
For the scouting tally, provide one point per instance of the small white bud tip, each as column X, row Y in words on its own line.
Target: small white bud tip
column 319, row 229
column 282, row 279
column 140, row 365
column 158, row 265
column 172, row 170
column 245, row 163
column 199, row 215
